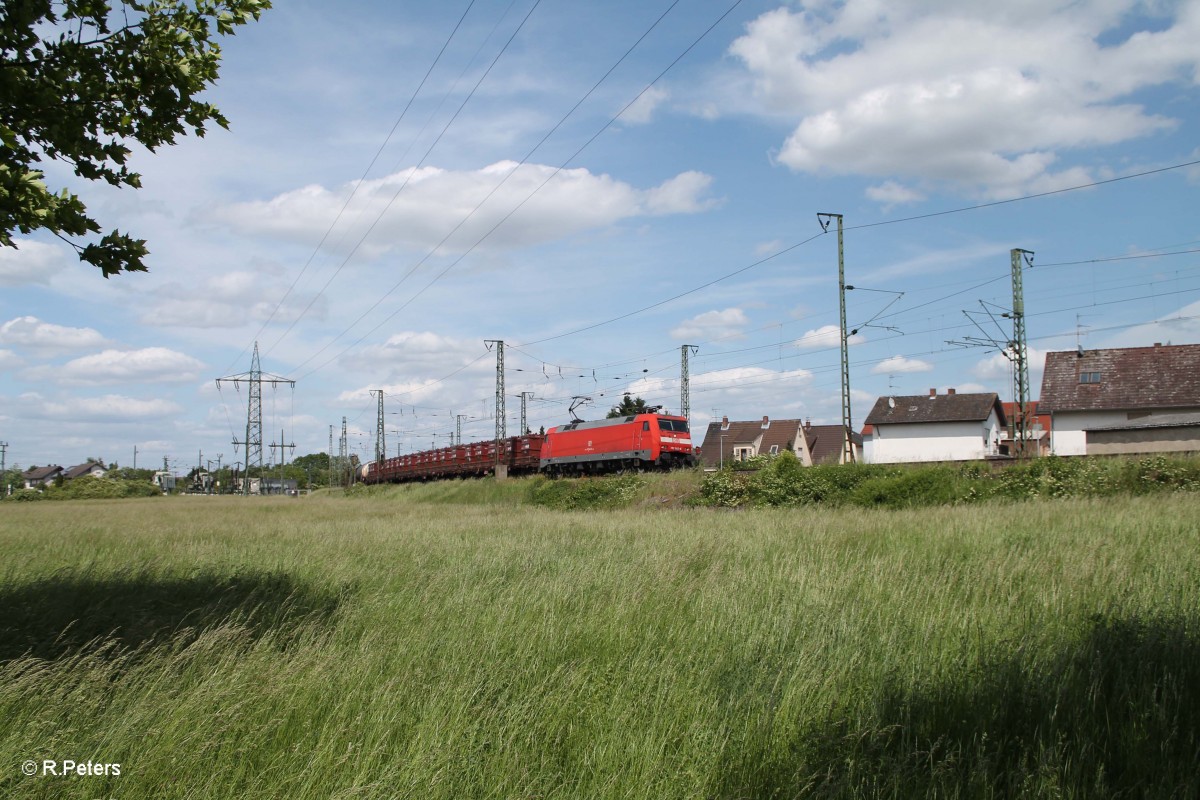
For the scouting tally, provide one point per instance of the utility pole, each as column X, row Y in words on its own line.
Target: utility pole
column 685, row 391
column 330, row 456
column 3, row 468
column 343, row 457
column 380, row 441
column 1014, row 348
column 458, row 418
column 282, row 456
column 847, row 419
column 253, row 442
column 501, row 433
column 1020, row 431
column 134, row 458
column 524, row 419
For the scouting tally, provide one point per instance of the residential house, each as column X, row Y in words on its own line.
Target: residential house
column 94, row 468
column 827, row 445
column 37, row 477
column 1127, row 400
column 726, row 442
column 933, row 427
column 1039, row 429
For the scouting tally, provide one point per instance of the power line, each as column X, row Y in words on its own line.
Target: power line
column 519, row 205
column 357, row 184
column 421, row 163
column 864, row 226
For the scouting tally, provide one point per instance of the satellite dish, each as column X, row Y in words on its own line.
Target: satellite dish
column 891, row 402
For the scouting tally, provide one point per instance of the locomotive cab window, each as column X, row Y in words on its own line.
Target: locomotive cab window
column 646, row 425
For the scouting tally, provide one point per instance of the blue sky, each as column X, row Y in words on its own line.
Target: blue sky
column 372, row 235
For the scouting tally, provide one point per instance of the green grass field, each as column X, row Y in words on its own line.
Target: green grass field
column 420, row 643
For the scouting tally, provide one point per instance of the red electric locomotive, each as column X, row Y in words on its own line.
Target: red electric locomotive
column 639, row 441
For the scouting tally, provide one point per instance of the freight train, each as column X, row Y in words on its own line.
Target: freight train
column 638, row 441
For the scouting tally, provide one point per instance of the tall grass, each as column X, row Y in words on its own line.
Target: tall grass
column 406, row 645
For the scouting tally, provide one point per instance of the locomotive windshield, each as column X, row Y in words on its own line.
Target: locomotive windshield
column 672, row 425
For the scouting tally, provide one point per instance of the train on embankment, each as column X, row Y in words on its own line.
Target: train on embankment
column 635, row 442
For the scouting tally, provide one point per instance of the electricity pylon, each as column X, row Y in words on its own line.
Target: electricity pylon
column 253, row 442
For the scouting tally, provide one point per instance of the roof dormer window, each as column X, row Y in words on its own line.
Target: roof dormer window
column 1089, row 377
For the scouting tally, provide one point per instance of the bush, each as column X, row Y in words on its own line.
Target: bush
column 25, row 496
column 783, row 481
column 92, row 488
column 575, row 494
column 916, row 488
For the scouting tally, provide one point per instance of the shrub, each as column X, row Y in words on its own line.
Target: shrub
column 574, row 494
column 915, row 488
column 25, row 496
column 92, row 488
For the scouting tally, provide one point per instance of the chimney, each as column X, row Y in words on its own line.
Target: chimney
column 950, row 391
column 807, row 423
column 933, row 392
column 1158, row 344
column 724, row 423
column 766, row 422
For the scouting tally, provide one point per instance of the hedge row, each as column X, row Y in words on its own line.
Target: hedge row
column 88, row 487
column 783, row 481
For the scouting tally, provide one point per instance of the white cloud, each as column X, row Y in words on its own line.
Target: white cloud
column 826, row 336
column 901, row 365
column 890, row 194
column 229, row 300
column 9, row 360
column 419, row 208
column 761, row 390
column 108, row 408
column 983, row 96
column 683, row 194
column 642, row 109
column 31, row 262
column 409, row 354
column 149, row 365
column 45, row 338
column 998, row 366
column 1178, row 327
column 712, row 325
column 769, row 248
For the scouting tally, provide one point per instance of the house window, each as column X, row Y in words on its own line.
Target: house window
column 743, row 453
column 774, row 449
column 1089, row 377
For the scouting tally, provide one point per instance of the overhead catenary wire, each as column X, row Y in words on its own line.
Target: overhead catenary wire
column 557, row 170
column 848, row 229
column 353, row 191
column 711, row 355
column 395, row 195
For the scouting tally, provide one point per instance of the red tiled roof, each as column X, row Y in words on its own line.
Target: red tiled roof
column 1010, row 410
column 825, row 443
column 908, row 409
column 1163, row 376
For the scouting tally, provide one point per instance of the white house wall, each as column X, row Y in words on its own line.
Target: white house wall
column 933, row 441
column 1067, row 429
column 1067, row 437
